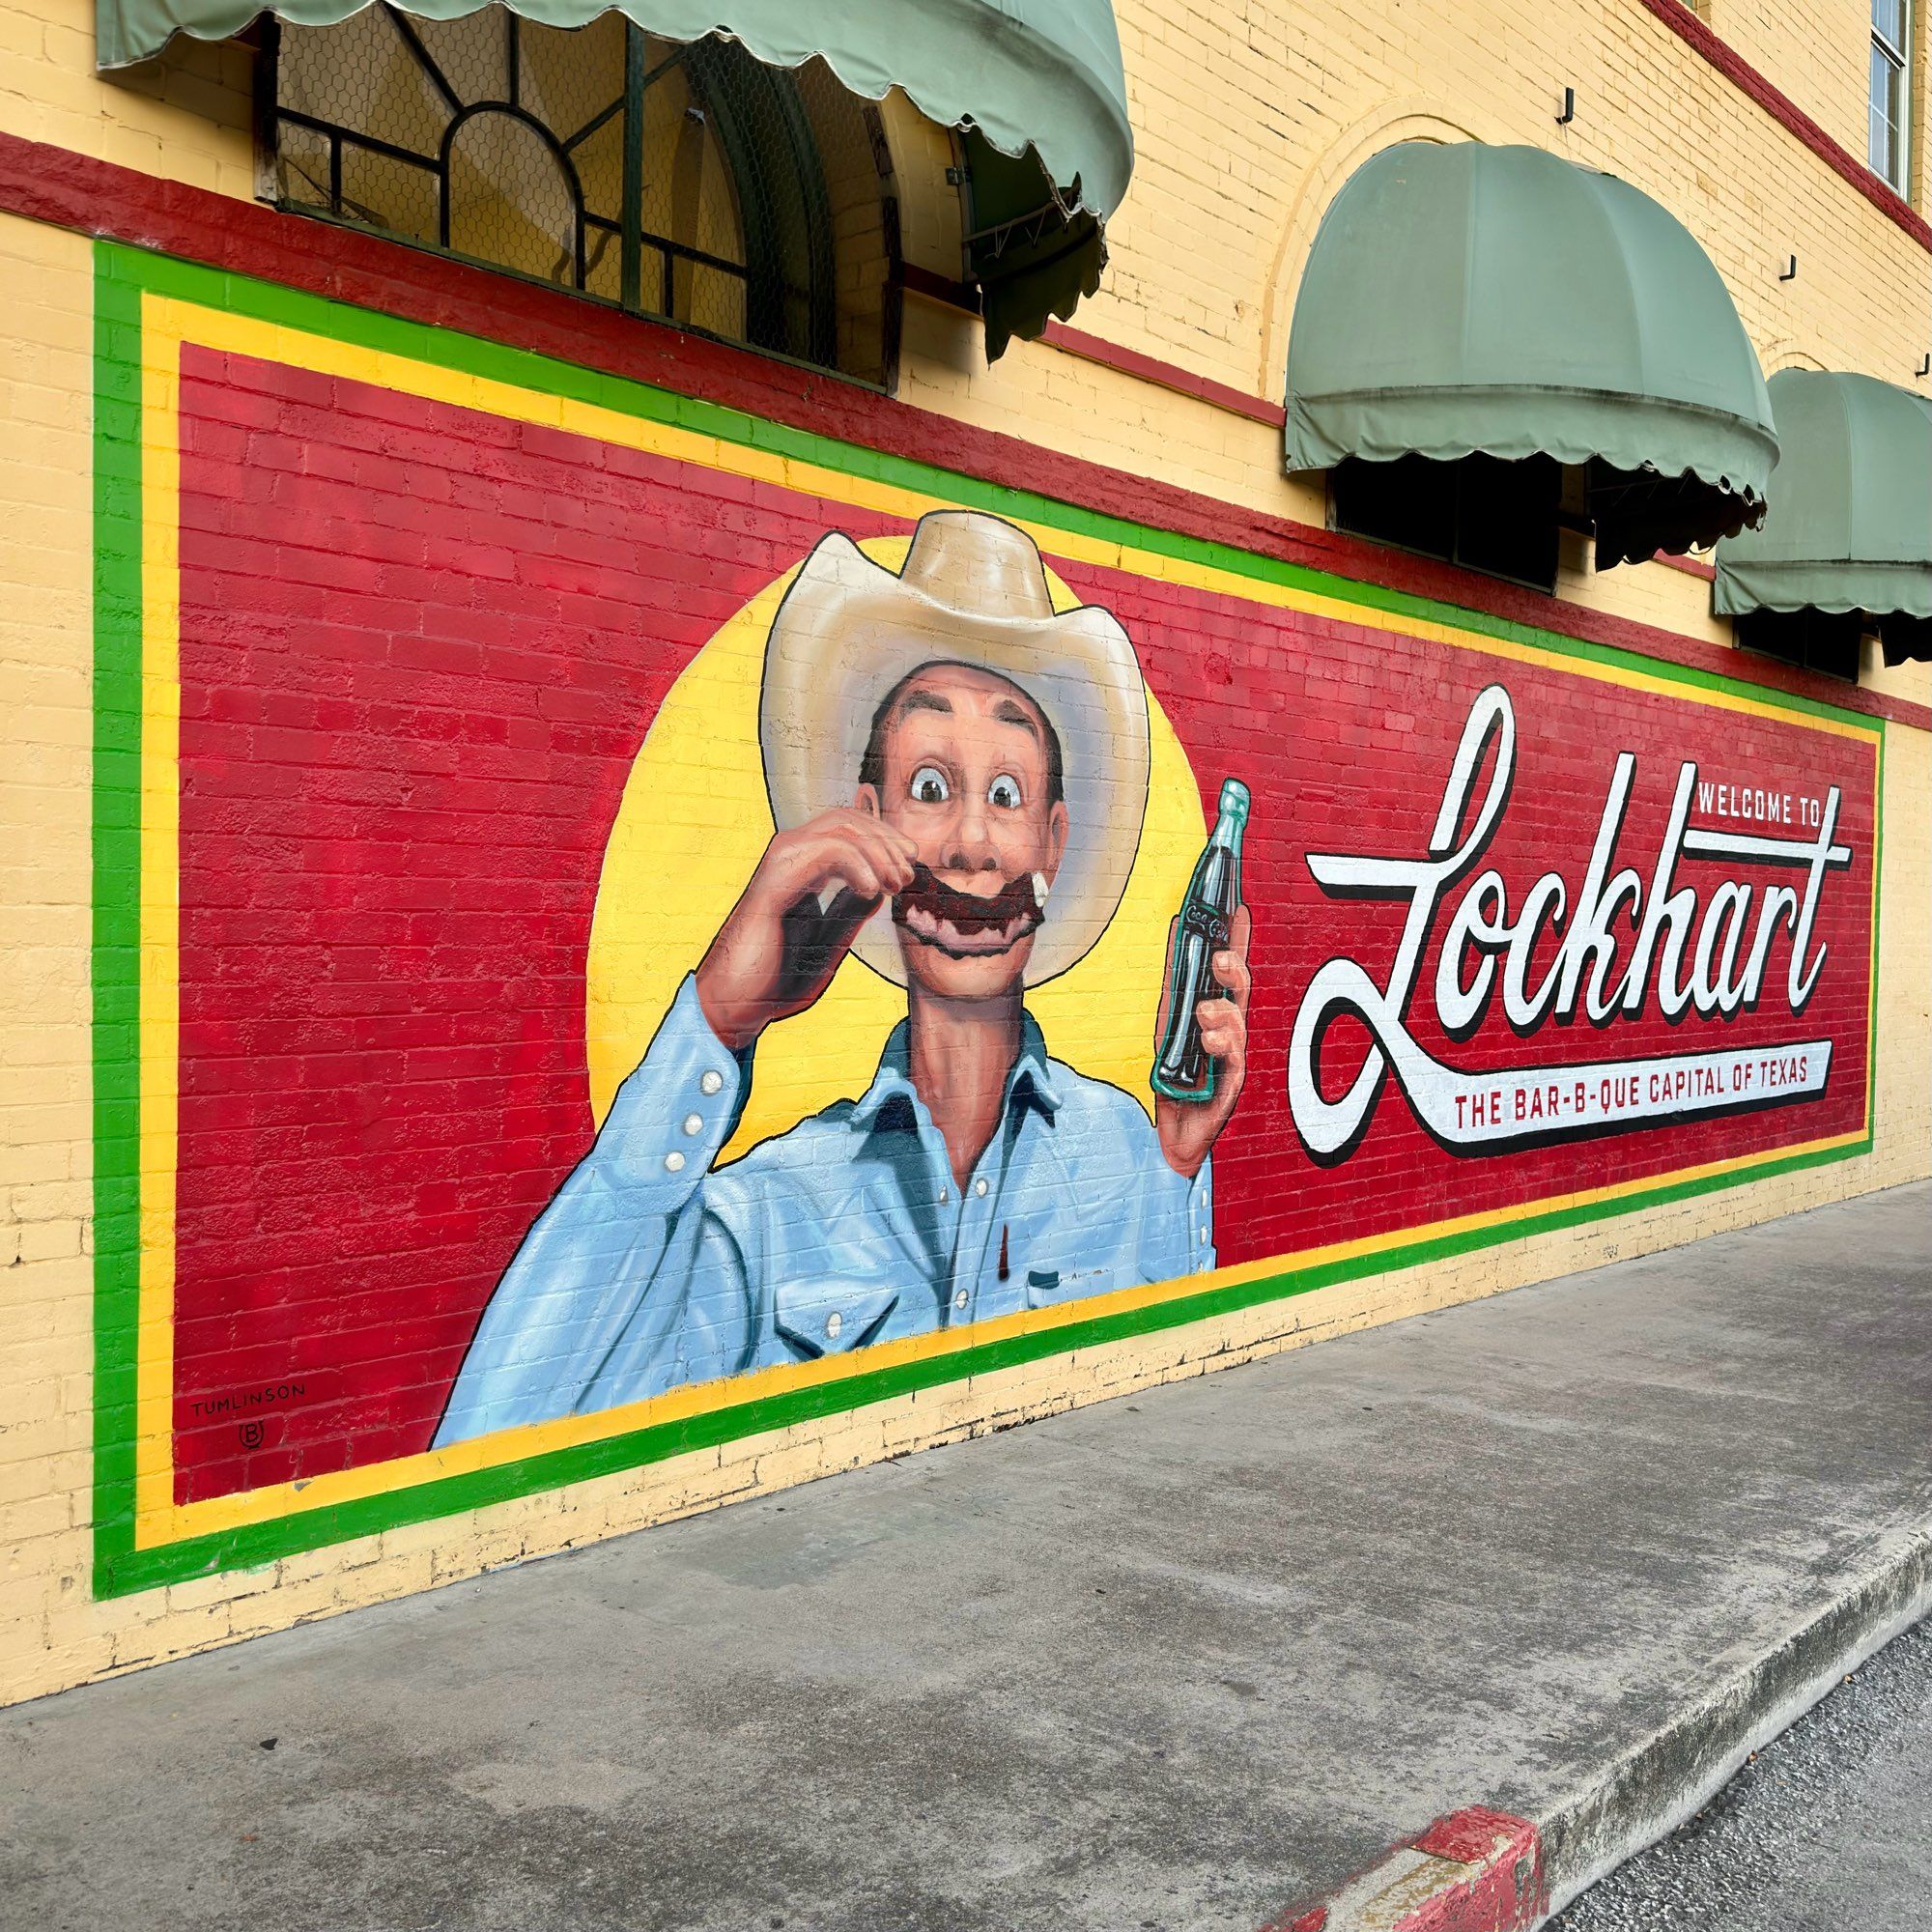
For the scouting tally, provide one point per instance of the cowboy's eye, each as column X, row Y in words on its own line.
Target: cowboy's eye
column 930, row 786
column 1004, row 793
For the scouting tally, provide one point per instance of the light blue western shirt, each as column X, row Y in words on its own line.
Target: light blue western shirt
column 652, row 1266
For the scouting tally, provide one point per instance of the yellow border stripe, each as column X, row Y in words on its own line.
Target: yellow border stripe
column 160, row 924
column 168, row 324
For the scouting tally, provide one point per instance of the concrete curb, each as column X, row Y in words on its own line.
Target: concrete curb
column 1654, row 1788
column 1479, row 1870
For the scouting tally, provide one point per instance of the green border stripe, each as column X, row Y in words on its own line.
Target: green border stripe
column 117, row 914
column 122, row 275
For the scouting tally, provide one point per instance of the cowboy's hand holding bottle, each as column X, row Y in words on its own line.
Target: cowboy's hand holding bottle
column 1189, row 1128
column 795, row 921
column 1202, row 1034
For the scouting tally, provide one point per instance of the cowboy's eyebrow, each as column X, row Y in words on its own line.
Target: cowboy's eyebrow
column 1010, row 713
column 925, row 700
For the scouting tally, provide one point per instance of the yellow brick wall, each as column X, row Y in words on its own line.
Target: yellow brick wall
column 185, row 118
column 46, row 701
column 1247, row 119
column 1919, row 185
column 1815, row 50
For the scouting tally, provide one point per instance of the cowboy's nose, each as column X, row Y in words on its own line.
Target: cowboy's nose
column 969, row 844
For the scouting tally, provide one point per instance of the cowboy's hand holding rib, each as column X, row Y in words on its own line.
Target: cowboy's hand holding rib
column 1189, row 1128
column 785, row 937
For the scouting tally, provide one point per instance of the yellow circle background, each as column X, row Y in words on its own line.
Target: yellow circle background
column 694, row 822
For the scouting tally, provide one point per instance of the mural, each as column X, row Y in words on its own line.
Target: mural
column 958, row 776
column 621, row 927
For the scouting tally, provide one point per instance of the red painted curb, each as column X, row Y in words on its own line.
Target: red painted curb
column 1475, row 1871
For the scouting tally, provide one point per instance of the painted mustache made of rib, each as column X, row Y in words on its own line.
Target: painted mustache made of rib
column 1023, row 899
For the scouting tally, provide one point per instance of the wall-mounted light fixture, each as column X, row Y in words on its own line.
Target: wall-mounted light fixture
column 1569, row 113
column 1789, row 273
column 1925, row 365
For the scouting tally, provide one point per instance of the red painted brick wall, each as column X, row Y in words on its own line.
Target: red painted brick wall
column 420, row 648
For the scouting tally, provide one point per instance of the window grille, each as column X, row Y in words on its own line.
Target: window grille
column 1486, row 514
column 689, row 182
column 1891, row 37
column 1831, row 641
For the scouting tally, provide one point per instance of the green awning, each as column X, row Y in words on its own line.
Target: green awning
column 1464, row 297
column 1036, row 85
column 1850, row 526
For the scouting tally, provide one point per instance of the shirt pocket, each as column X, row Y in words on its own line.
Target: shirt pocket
column 830, row 1317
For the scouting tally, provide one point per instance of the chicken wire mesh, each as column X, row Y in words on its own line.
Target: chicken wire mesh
column 683, row 181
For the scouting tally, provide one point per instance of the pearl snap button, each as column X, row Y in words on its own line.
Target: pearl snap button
column 960, row 1299
column 942, row 1197
column 833, row 1324
column 674, row 1162
column 710, row 1080
column 694, row 1123
column 1204, row 1237
column 980, row 1186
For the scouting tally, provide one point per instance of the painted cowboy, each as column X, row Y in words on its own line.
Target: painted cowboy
column 958, row 777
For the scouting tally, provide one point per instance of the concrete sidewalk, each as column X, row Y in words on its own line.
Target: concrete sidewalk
column 1181, row 1659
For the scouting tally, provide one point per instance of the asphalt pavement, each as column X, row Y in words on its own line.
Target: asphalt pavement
column 1827, row 1827
column 1177, row 1660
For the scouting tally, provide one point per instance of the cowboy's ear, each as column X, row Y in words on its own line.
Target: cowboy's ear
column 866, row 800
column 1057, row 823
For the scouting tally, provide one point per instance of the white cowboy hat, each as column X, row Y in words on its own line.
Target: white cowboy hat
column 973, row 592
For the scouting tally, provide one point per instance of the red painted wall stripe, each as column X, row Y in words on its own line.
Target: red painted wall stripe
column 50, row 183
column 1168, row 375
column 1787, row 113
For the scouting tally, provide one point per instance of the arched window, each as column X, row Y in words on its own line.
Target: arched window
column 689, row 182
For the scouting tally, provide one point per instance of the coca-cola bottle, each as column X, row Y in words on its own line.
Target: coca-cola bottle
column 1182, row 1069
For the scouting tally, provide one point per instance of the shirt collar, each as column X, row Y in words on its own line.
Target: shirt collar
column 1030, row 1078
